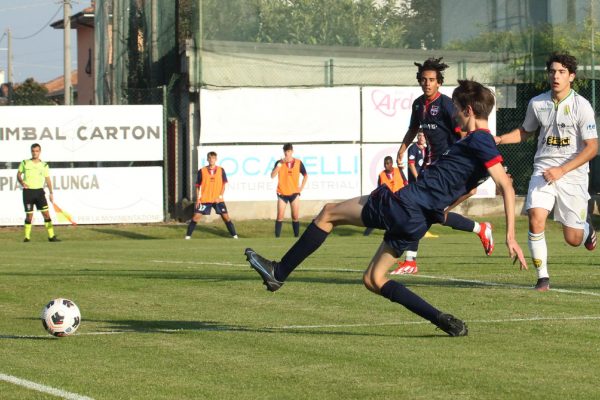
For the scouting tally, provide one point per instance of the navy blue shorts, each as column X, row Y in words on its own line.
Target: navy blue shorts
column 288, row 199
column 205, row 208
column 404, row 223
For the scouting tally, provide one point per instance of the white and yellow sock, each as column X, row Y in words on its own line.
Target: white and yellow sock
column 539, row 253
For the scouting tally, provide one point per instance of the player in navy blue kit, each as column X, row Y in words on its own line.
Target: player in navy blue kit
column 432, row 113
column 407, row 214
column 418, row 157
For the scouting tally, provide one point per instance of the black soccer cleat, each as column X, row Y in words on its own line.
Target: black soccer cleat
column 591, row 240
column 265, row 268
column 451, row 325
column 26, row 240
column 54, row 239
column 542, row 285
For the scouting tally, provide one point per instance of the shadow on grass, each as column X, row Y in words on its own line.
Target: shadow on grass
column 173, row 327
column 124, row 234
column 27, row 337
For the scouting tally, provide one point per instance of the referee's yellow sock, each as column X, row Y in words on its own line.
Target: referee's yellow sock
column 27, row 231
column 49, row 228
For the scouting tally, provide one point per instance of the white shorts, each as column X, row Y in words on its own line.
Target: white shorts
column 569, row 200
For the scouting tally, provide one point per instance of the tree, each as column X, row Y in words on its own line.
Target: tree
column 30, row 93
column 363, row 23
column 423, row 23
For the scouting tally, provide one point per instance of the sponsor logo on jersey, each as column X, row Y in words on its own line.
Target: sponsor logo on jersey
column 557, row 141
column 429, row 126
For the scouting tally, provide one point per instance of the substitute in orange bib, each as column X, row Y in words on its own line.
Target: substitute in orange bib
column 210, row 187
column 288, row 171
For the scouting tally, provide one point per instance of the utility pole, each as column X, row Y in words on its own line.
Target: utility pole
column 114, row 47
column 593, row 22
column 67, row 46
column 9, row 77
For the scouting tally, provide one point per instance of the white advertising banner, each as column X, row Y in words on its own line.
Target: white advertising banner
column 372, row 165
column 249, row 115
column 333, row 170
column 82, row 133
column 91, row 196
column 387, row 110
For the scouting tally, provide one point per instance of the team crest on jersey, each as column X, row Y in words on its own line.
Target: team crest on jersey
column 434, row 110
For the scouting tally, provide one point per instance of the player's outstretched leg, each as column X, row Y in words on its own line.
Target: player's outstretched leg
column 265, row 268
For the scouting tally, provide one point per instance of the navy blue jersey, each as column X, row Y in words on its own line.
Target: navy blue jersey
column 459, row 170
column 418, row 157
column 436, row 120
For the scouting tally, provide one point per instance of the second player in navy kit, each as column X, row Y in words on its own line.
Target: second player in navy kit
column 433, row 113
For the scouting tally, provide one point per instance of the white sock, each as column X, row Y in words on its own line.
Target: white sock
column 411, row 255
column 539, row 253
column 477, row 227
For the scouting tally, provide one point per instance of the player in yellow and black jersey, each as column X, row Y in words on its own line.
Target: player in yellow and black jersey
column 32, row 175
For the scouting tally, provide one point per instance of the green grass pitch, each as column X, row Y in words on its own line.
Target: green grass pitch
column 166, row 318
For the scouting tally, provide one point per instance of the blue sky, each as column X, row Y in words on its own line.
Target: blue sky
column 37, row 48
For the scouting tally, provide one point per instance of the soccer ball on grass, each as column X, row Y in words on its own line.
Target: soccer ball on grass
column 61, row 317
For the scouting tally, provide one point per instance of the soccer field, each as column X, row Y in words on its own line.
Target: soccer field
column 166, row 318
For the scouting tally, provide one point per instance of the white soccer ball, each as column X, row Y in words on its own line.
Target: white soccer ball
column 61, row 317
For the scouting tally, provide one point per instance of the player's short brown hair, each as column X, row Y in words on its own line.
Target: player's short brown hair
column 474, row 94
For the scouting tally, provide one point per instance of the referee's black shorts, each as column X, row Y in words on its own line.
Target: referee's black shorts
column 34, row 197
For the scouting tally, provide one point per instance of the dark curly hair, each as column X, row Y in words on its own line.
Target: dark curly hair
column 432, row 64
column 567, row 60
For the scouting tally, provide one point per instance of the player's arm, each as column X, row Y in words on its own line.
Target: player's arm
column 460, row 200
column 50, row 188
column 408, row 139
column 224, row 178
column 21, row 181
column 304, row 177
column 499, row 176
column 198, row 185
column 589, row 151
column 276, row 168
column 413, row 170
column 198, row 194
column 515, row 136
